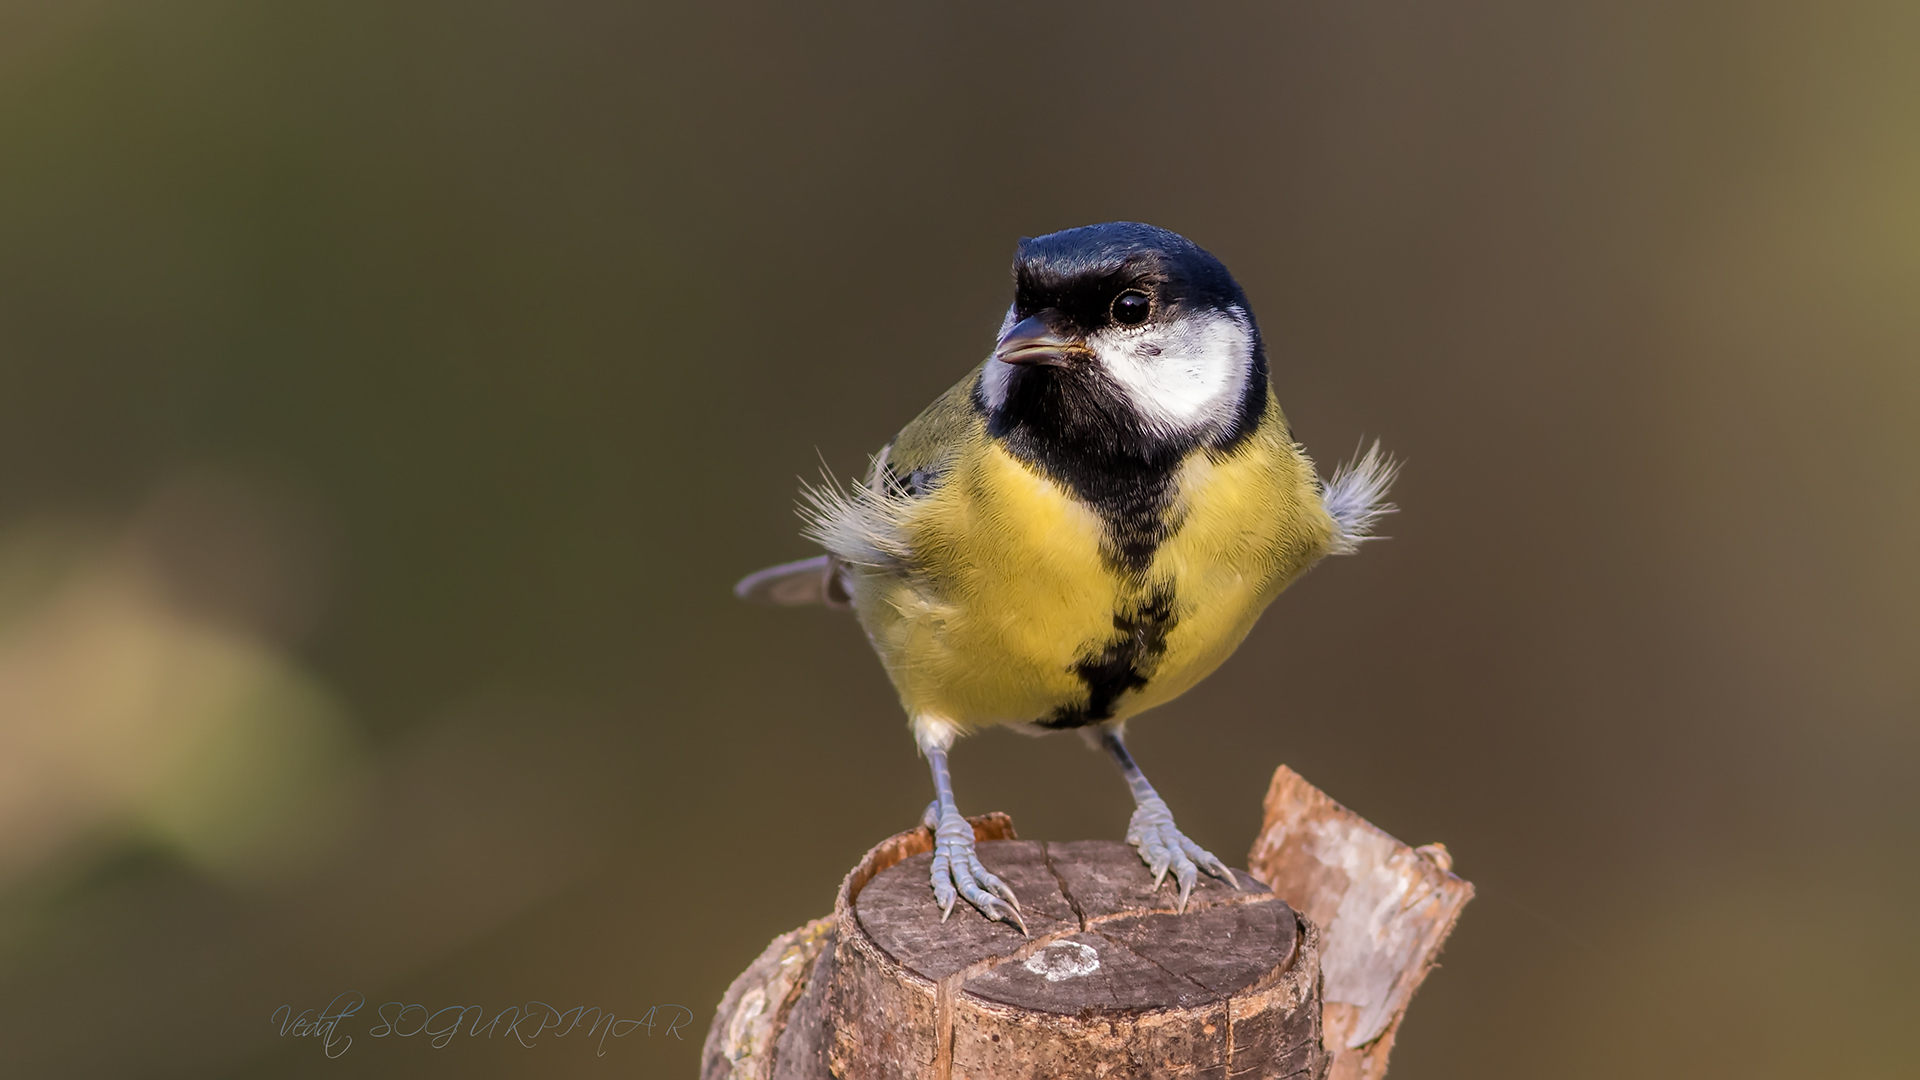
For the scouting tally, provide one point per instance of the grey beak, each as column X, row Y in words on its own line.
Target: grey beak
column 1032, row 341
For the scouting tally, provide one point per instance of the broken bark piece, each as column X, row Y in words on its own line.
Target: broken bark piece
column 1383, row 907
column 760, row 1003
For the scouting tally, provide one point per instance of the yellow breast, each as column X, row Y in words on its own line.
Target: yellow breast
column 1014, row 612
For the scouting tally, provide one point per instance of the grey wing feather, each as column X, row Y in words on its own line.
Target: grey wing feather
column 810, row 581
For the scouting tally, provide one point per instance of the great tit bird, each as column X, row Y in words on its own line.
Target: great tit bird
column 1083, row 527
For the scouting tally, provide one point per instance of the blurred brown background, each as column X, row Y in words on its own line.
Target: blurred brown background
column 390, row 390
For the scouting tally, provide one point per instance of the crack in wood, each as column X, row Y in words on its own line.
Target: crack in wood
column 1046, row 854
column 943, row 1026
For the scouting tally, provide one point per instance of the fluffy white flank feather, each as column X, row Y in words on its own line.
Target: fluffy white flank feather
column 859, row 525
column 1356, row 498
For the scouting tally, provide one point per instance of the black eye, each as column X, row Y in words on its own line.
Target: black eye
column 1132, row 307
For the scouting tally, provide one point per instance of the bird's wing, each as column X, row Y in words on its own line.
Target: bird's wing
column 809, row 581
column 926, row 445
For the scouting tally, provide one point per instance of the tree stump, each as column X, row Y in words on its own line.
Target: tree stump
column 1112, row 982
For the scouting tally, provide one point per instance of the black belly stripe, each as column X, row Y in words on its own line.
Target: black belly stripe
column 1122, row 663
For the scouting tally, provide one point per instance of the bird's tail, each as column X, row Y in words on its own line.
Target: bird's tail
column 1356, row 498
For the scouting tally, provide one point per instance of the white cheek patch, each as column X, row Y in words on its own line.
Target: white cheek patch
column 1184, row 377
column 994, row 378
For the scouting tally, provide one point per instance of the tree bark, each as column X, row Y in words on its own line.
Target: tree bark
column 1385, row 908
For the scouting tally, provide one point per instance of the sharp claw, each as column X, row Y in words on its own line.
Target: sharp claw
column 1209, row 862
column 999, row 912
column 1186, row 875
column 946, row 911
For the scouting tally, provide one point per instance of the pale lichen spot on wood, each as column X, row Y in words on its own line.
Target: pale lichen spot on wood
column 1064, row 960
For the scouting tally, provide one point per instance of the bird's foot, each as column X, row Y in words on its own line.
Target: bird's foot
column 1163, row 847
column 957, row 871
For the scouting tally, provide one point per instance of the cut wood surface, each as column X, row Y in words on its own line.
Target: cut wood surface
column 1112, row 981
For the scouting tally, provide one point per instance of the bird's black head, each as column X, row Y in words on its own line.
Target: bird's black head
column 1124, row 338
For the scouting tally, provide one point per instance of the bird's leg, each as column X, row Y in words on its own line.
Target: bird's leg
column 1151, row 830
column 956, row 866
